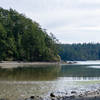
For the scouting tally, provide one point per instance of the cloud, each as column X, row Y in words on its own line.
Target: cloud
column 70, row 20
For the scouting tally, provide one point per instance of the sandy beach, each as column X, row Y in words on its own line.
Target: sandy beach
column 15, row 64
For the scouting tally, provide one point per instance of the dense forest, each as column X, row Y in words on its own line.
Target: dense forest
column 22, row 39
column 80, row 52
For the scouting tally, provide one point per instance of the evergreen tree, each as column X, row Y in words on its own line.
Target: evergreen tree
column 24, row 40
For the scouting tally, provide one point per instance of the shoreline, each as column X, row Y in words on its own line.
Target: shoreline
column 15, row 64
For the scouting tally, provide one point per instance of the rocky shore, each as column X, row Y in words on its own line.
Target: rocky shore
column 87, row 95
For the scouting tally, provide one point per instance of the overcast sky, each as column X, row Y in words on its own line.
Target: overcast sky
column 71, row 21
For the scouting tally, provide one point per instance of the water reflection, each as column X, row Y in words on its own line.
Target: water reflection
column 31, row 73
column 50, row 73
column 79, row 71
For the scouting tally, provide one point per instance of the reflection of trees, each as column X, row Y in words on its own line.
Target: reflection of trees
column 47, row 72
column 29, row 73
column 79, row 71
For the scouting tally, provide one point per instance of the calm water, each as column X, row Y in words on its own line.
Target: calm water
column 42, row 80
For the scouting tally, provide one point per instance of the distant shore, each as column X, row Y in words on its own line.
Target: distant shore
column 15, row 64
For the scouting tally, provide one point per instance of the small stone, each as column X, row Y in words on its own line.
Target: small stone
column 80, row 95
column 97, row 92
column 32, row 97
column 52, row 95
column 73, row 92
column 66, row 93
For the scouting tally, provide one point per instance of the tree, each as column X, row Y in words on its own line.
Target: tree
column 23, row 39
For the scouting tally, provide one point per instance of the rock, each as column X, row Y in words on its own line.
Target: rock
column 97, row 92
column 73, row 92
column 66, row 93
column 81, row 95
column 52, row 98
column 52, row 95
column 32, row 97
column 28, row 99
column 70, row 62
column 39, row 98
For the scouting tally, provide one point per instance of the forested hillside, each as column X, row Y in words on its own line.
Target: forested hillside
column 22, row 39
column 84, row 51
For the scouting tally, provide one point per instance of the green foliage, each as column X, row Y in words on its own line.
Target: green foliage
column 24, row 40
column 84, row 51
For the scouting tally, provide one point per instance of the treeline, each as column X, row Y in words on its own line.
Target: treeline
column 80, row 52
column 22, row 39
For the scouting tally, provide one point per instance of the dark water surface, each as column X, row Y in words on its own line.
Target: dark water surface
column 42, row 80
